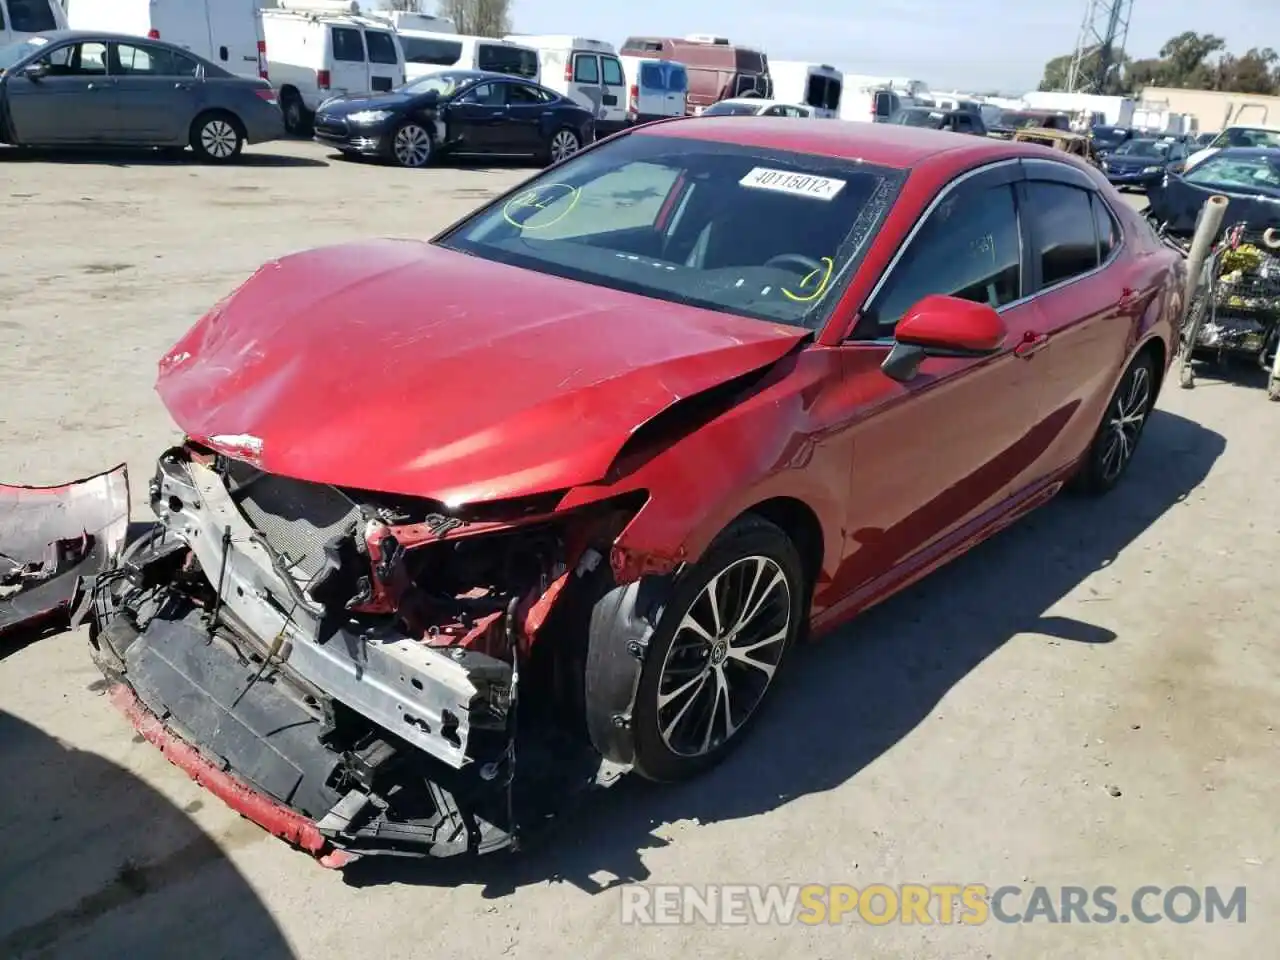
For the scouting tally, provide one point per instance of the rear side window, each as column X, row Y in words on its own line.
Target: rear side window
column 969, row 247
column 586, row 68
column 816, row 92
column 611, row 71
column 677, row 79
column 1063, row 225
column 886, row 103
column 347, row 45
column 31, row 16
column 1104, row 223
column 513, row 61
column 153, row 62
column 440, row 53
column 651, row 77
column 382, row 48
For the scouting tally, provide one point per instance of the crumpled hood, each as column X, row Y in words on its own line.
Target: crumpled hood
column 403, row 367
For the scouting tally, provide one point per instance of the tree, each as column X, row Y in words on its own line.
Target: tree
column 1253, row 72
column 481, row 18
column 1190, row 60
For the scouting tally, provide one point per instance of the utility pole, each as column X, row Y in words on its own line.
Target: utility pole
column 1103, row 32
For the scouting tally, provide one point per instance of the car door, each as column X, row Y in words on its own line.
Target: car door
column 477, row 119
column 156, row 90
column 940, row 451
column 585, row 87
column 613, row 94
column 349, row 74
column 1090, row 299
column 522, row 129
column 385, row 69
column 676, row 83
column 73, row 102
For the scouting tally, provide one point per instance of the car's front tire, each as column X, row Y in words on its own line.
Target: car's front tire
column 716, row 650
column 1116, row 441
column 411, row 145
column 564, row 143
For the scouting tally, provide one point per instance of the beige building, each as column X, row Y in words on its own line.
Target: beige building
column 1212, row 109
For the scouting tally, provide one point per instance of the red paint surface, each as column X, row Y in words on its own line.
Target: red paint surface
column 404, row 367
column 280, row 821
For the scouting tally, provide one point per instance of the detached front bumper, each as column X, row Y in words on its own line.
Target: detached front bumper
column 264, row 754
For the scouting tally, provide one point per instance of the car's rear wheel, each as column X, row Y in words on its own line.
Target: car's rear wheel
column 717, row 649
column 297, row 118
column 217, row 137
column 564, row 144
column 411, row 145
column 1122, row 425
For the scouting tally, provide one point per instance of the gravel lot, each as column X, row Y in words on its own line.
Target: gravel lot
column 1087, row 700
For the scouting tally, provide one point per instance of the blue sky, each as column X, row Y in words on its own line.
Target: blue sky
column 967, row 43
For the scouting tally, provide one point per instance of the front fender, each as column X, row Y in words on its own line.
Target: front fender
column 776, row 443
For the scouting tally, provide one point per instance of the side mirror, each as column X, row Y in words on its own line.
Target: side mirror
column 36, row 71
column 942, row 326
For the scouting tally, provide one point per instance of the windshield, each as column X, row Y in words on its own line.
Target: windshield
column 1247, row 137
column 1143, row 148
column 1248, row 173
column 724, row 109
column 917, row 118
column 441, row 83
column 754, row 231
column 12, row 53
column 1109, row 136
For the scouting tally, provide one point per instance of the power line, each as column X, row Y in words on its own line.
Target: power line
column 1103, row 34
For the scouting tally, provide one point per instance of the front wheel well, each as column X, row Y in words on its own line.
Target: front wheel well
column 799, row 522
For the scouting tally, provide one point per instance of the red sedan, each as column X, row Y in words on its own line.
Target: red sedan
column 605, row 450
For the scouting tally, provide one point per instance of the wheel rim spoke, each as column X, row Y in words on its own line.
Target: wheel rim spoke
column 1124, row 426
column 723, row 655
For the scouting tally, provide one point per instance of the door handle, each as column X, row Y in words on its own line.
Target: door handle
column 1032, row 343
column 182, row 86
column 91, row 86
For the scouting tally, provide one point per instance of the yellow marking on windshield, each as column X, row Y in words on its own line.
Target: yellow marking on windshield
column 538, row 199
column 825, row 271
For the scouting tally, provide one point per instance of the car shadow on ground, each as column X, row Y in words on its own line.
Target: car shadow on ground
column 873, row 681
column 96, row 863
column 476, row 165
column 148, row 158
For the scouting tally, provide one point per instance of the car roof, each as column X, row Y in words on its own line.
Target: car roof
column 885, row 144
column 54, row 36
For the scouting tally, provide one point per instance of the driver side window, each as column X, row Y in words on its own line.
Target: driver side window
column 969, row 247
column 77, row 60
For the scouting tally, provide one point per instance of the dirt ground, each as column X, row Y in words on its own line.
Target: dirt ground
column 1088, row 699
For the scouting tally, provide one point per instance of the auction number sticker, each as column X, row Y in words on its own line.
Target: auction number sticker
column 796, row 184
column 527, row 204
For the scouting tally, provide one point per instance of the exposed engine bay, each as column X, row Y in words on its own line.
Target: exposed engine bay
column 360, row 658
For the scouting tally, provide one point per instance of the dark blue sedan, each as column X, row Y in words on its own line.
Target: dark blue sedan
column 460, row 112
column 1144, row 162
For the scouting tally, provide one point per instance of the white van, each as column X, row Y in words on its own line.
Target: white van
column 227, row 32
column 818, row 85
column 587, row 71
column 426, row 52
column 19, row 19
column 313, row 55
column 656, row 89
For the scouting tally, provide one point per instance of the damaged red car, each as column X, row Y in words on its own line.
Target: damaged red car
column 461, row 527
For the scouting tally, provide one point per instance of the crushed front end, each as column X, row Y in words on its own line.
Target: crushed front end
column 345, row 667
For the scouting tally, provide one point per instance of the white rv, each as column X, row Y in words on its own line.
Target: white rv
column 20, row 19
column 587, row 71
column 818, row 85
column 226, row 32
column 430, row 52
column 318, row 49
